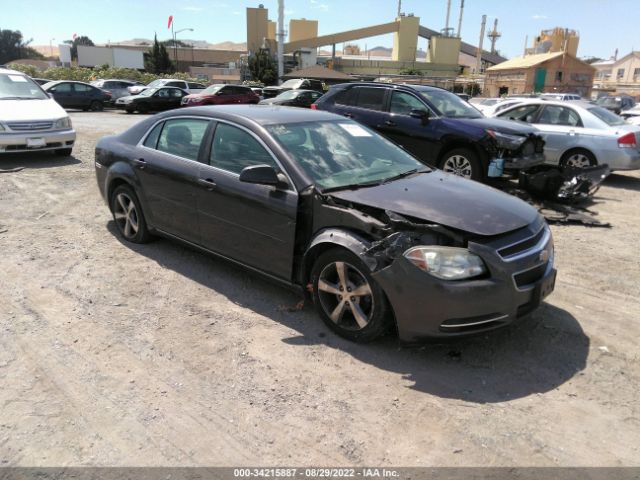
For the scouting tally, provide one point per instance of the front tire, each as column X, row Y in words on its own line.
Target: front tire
column 127, row 213
column 462, row 162
column 348, row 299
column 578, row 159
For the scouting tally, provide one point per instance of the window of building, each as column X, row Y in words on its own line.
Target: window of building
column 636, row 72
column 559, row 76
column 620, row 73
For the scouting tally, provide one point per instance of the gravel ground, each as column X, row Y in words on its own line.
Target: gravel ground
column 120, row 355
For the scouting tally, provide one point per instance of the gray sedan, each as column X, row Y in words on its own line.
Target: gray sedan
column 581, row 134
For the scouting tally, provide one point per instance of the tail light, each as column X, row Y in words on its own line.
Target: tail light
column 314, row 106
column 627, row 141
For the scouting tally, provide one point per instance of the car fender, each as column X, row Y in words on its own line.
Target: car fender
column 335, row 237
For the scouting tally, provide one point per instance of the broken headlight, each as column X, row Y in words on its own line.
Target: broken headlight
column 446, row 263
column 507, row 141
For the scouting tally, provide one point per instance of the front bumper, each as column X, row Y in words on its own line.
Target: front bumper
column 36, row 141
column 525, row 162
column 426, row 307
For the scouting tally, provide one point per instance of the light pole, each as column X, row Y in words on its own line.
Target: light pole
column 175, row 45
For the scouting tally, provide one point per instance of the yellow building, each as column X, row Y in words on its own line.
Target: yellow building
column 556, row 40
column 302, row 29
column 257, row 28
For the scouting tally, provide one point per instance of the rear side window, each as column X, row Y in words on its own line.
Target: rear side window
column 79, row 87
column 346, row 97
column 152, row 139
column 182, row 137
column 556, row 115
column 196, row 85
column 176, row 84
column 370, row 98
column 234, row 149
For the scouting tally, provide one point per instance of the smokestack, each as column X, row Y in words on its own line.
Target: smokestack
column 460, row 18
column 280, row 37
column 494, row 35
column 479, row 53
column 399, row 7
column 526, row 40
column 446, row 22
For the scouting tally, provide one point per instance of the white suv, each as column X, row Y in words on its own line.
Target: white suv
column 30, row 119
column 191, row 87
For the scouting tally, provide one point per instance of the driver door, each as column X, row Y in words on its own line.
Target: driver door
column 252, row 224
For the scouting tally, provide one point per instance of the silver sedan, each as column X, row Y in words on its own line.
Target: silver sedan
column 581, row 134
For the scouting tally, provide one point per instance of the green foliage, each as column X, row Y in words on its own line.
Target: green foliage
column 157, row 60
column 82, row 40
column 88, row 74
column 14, row 47
column 26, row 69
column 410, row 71
column 262, row 67
column 178, row 43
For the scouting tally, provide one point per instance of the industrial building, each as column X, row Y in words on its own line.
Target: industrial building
column 442, row 59
column 618, row 76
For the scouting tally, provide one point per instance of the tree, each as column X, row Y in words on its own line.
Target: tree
column 83, row 40
column 13, row 47
column 262, row 67
column 410, row 71
column 177, row 43
column 158, row 60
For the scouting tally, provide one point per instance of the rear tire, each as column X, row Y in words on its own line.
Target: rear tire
column 348, row 299
column 143, row 109
column 127, row 213
column 63, row 152
column 96, row 106
column 578, row 158
column 462, row 162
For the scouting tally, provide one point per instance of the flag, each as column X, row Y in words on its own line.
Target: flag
column 170, row 21
column 74, row 36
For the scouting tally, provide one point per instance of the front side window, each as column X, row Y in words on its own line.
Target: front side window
column 182, row 137
column 337, row 154
column 176, row 93
column 402, row 103
column 370, row 98
column 449, row 105
column 234, row 149
column 525, row 113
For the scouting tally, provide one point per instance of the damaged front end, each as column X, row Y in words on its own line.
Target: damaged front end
column 570, row 184
column 509, row 152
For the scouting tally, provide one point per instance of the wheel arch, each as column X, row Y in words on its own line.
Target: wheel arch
column 453, row 143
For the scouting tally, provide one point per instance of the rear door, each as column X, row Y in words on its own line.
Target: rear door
column 162, row 99
column 252, row 224
column 83, row 95
column 167, row 165
column 561, row 128
column 366, row 105
column 63, row 94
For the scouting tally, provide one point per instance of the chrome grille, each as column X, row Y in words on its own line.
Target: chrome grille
column 29, row 126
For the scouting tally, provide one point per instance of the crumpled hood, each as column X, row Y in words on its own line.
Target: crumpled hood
column 26, row 110
column 448, row 200
column 499, row 125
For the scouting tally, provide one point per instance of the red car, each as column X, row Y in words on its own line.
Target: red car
column 221, row 95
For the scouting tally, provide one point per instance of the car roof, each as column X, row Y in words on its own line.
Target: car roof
column 259, row 114
column 12, row 72
column 560, row 103
column 420, row 88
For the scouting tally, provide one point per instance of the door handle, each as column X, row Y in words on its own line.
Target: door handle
column 141, row 163
column 207, row 182
column 389, row 123
column 348, row 115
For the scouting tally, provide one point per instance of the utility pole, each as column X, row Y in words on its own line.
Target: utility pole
column 399, row 7
column 479, row 52
column 460, row 18
column 494, row 35
column 280, row 36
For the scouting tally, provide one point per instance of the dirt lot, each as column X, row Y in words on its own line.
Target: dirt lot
column 113, row 354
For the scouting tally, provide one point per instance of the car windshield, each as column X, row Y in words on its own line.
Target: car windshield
column 344, row 154
column 291, row 84
column 19, row 87
column 606, row 116
column 449, row 105
column 148, row 92
column 288, row 95
column 490, row 101
column 156, row 83
column 211, row 89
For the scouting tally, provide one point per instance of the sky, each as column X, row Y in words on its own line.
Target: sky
column 603, row 26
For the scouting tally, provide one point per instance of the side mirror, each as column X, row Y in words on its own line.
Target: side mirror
column 260, row 174
column 421, row 114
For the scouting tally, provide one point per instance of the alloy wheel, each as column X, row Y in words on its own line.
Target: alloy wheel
column 578, row 160
column 458, row 165
column 345, row 296
column 126, row 215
